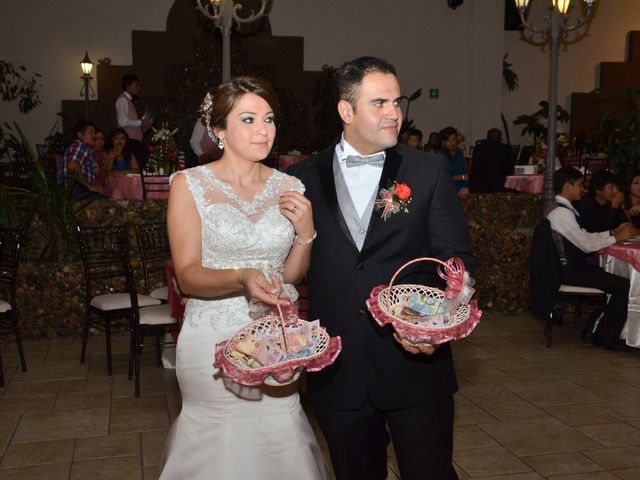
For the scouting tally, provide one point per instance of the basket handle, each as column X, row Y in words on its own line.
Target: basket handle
column 451, row 271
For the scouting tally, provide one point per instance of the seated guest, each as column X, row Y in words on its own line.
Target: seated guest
column 202, row 145
column 103, row 177
column 575, row 246
column 632, row 199
column 491, row 162
column 457, row 165
column 414, row 140
column 433, row 144
column 78, row 163
column 601, row 210
column 121, row 158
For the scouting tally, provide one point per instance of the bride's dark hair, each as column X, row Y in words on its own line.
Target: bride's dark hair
column 216, row 106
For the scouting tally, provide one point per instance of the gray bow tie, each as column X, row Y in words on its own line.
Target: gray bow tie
column 376, row 160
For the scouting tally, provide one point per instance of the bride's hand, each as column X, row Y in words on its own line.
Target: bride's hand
column 258, row 289
column 297, row 208
column 415, row 348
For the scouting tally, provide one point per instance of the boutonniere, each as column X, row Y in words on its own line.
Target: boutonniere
column 393, row 199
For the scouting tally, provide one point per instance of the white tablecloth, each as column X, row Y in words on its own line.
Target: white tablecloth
column 631, row 331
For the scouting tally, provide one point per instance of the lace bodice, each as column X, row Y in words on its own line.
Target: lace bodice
column 239, row 234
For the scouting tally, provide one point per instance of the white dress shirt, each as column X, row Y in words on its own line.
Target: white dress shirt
column 362, row 180
column 122, row 111
column 564, row 222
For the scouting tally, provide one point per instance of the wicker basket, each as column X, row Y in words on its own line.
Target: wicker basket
column 386, row 304
column 238, row 366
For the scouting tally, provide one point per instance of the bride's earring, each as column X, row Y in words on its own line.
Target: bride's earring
column 221, row 143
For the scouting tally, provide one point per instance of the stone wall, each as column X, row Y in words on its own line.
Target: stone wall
column 50, row 296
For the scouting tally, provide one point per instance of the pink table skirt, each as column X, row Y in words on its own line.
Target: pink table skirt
column 627, row 252
column 129, row 187
column 525, row 183
column 285, row 161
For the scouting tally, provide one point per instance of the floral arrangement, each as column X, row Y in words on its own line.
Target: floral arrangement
column 393, row 199
column 165, row 157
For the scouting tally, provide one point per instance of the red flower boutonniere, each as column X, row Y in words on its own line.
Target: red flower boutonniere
column 393, row 199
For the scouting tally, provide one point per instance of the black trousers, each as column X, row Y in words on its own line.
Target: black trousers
column 358, row 439
column 615, row 285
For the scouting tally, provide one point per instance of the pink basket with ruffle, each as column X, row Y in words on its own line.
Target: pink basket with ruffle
column 386, row 304
column 239, row 369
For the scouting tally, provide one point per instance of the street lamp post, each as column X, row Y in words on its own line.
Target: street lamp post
column 554, row 28
column 87, row 65
column 224, row 13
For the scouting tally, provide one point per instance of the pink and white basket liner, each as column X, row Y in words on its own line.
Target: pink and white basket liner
column 385, row 301
column 326, row 350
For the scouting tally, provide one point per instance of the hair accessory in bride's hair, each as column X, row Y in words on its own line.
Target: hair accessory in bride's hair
column 205, row 115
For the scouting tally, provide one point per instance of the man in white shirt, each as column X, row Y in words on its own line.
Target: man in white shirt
column 128, row 117
column 578, row 267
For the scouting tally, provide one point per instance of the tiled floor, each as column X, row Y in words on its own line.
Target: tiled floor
column 524, row 411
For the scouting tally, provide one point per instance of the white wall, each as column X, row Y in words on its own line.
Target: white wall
column 458, row 51
column 605, row 41
column 50, row 37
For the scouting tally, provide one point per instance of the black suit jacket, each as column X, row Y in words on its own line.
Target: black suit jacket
column 372, row 364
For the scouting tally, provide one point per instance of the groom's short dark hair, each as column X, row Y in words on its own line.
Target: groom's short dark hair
column 349, row 76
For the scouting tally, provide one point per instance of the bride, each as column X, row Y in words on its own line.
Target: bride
column 232, row 223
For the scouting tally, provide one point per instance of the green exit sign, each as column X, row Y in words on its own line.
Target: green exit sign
column 434, row 93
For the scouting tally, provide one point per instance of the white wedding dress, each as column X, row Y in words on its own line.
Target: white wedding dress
column 226, row 431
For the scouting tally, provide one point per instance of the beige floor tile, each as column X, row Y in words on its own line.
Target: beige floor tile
column 152, row 447
column 57, row 471
column 616, row 458
column 122, row 468
column 517, row 476
column 468, row 350
column 469, row 414
column 562, row 464
column 628, row 473
column 151, row 473
column 587, row 476
column 597, row 376
column 612, row 434
column 470, row 436
column 494, row 460
column 9, row 422
column 33, row 403
column 139, row 414
column 554, row 393
column 630, row 375
column 76, row 400
column 538, row 436
column 616, row 391
column 461, row 473
column 530, row 374
column 484, row 394
column 509, row 361
column 5, row 439
column 94, row 384
column 107, row 446
column 31, row 388
column 514, row 410
column 479, row 373
column 38, row 453
column 627, row 410
column 42, row 373
column 582, row 414
column 68, row 351
column 65, row 424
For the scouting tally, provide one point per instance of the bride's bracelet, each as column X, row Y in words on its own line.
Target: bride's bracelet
column 306, row 242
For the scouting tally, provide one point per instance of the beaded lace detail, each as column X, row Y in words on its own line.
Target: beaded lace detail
column 238, row 234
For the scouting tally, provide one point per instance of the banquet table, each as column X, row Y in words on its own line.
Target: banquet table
column 285, row 161
column 129, row 187
column 525, row 183
column 623, row 258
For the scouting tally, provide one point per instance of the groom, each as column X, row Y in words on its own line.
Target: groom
column 380, row 384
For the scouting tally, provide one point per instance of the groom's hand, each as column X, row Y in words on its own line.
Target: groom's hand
column 415, row 348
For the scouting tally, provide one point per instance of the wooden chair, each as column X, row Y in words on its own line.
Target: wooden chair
column 10, row 243
column 111, row 296
column 593, row 165
column 154, row 186
column 153, row 245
